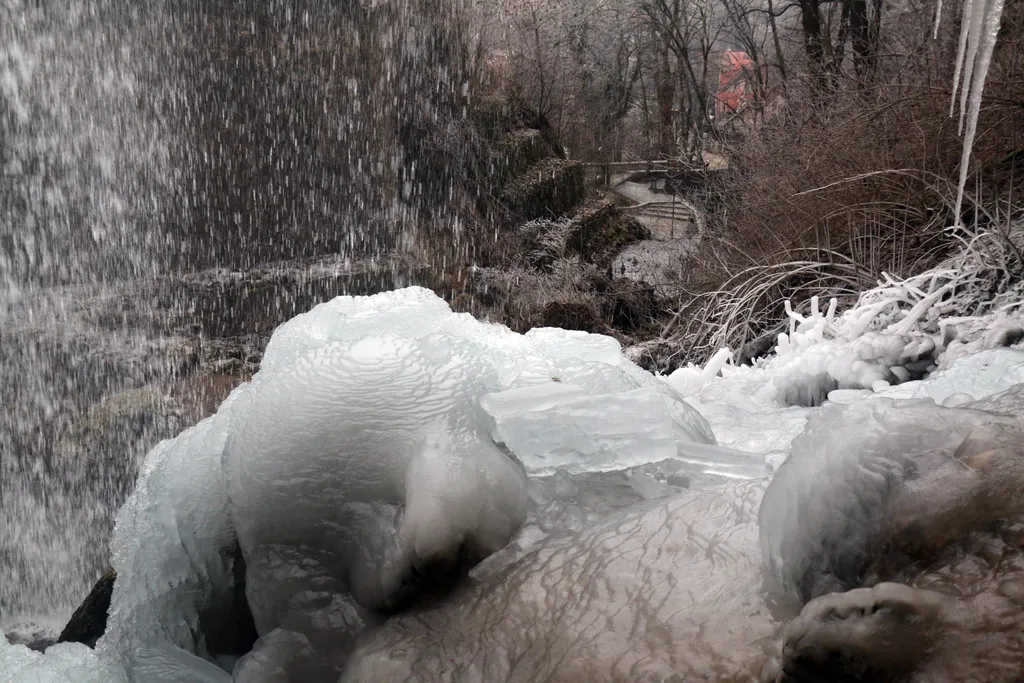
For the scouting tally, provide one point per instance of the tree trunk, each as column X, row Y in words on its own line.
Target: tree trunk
column 666, row 97
column 824, row 59
column 778, row 46
column 810, row 21
column 861, row 39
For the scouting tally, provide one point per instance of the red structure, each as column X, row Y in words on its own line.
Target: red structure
column 736, row 69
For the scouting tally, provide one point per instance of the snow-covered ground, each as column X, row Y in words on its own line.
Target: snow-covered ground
column 424, row 402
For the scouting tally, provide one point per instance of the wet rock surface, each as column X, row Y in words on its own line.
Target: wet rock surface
column 89, row 621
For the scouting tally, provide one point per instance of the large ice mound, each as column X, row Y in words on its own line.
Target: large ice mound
column 382, row 435
column 881, row 474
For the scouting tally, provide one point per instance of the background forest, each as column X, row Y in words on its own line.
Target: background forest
column 814, row 142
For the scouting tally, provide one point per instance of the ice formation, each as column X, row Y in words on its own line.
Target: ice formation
column 386, row 433
column 896, row 333
column 979, row 29
column 382, row 434
column 61, row 663
column 854, row 465
column 674, row 590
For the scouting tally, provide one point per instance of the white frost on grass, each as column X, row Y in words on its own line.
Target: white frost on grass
column 897, row 332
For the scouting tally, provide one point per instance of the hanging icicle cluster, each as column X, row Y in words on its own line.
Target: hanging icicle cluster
column 978, row 30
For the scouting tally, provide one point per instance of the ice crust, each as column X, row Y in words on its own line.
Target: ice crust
column 63, row 663
column 382, row 432
column 846, row 468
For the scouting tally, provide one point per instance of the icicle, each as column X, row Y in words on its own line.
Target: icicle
column 715, row 365
column 794, row 318
column 830, row 316
column 984, row 30
column 918, row 311
column 975, row 23
column 979, row 28
column 965, row 23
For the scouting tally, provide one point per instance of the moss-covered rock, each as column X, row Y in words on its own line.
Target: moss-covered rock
column 548, row 189
column 518, row 150
column 541, row 242
column 600, row 231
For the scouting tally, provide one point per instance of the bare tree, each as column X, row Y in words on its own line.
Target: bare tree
column 825, row 37
column 688, row 31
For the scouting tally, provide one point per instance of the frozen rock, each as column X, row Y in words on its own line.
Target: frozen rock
column 358, row 461
column 981, row 374
column 879, row 474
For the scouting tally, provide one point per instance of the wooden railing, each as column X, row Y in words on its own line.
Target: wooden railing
column 603, row 170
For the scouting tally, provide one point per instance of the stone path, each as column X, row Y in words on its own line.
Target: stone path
column 675, row 233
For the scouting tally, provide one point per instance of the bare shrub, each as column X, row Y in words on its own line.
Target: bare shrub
column 984, row 275
column 519, row 296
column 826, row 199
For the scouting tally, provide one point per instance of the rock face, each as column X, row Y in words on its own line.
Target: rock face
column 89, row 621
column 249, row 132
